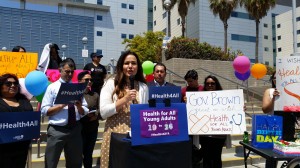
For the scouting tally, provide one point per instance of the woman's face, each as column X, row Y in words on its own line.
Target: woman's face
column 130, row 66
column 210, row 84
column 10, row 88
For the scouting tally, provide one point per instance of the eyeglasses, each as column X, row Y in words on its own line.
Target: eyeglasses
column 9, row 84
column 69, row 71
column 88, row 80
column 210, row 83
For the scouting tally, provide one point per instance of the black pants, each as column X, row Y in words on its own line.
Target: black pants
column 89, row 138
column 13, row 159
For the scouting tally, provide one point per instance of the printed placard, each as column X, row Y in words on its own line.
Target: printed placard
column 160, row 124
column 18, row 63
column 216, row 112
column 166, row 92
column 288, row 83
column 69, row 92
column 19, row 126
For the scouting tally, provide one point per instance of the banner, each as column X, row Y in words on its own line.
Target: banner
column 152, row 125
column 54, row 75
column 166, row 92
column 18, row 63
column 288, row 83
column 19, row 126
column 216, row 112
column 69, row 92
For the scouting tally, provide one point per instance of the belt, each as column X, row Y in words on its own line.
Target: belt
column 65, row 126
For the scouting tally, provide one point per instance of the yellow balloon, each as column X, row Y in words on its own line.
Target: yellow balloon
column 258, row 70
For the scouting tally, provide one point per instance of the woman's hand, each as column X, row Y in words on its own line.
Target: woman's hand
column 275, row 93
column 130, row 95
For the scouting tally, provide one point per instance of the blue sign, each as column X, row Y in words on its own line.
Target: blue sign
column 69, row 92
column 159, row 124
column 166, row 92
column 19, row 126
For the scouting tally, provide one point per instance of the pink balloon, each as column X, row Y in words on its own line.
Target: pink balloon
column 241, row 64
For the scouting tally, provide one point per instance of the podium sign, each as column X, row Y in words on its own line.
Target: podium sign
column 152, row 125
column 166, row 92
column 19, row 126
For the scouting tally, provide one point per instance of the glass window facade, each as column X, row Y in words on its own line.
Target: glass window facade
column 245, row 38
column 241, row 15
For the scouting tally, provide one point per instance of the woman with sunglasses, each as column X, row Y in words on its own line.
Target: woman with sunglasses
column 11, row 100
column 212, row 145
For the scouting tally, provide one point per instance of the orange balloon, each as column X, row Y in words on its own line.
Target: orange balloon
column 258, row 70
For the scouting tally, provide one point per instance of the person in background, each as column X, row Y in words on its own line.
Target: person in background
column 270, row 96
column 191, row 77
column 18, row 49
column 13, row 155
column 116, row 97
column 160, row 73
column 97, row 70
column 90, row 121
column 212, row 145
column 64, row 129
column 55, row 59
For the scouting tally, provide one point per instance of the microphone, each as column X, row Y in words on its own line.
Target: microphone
column 131, row 78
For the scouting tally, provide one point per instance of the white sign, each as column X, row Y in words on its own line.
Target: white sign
column 288, row 83
column 85, row 53
column 216, row 112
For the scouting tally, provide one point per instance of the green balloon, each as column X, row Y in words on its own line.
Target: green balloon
column 148, row 67
column 39, row 98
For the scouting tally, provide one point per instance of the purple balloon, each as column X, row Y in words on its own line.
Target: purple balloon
column 241, row 64
column 242, row 77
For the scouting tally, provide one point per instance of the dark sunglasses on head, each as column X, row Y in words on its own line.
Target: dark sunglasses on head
column 9, row 84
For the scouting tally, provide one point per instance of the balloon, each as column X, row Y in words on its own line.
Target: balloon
column 241, row 64
column 149, row 78
column 39, row 98
column 148, row 67
column 242, row 77
column 258, row 70
column 23, row 90
column 36, row 82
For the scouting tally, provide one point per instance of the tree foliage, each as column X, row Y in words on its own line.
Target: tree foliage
column 192, row 49
column 147, row 47
column 183, row 7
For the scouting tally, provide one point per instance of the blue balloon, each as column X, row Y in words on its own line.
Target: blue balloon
column 36, row 82
column 243, row 76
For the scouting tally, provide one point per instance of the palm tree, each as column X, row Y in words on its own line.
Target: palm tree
column 168, row 8
column 183, row 7
column 257, row 9
column 223, row 8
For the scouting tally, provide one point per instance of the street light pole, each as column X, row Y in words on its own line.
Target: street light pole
column 4, row 49
column 167, row 4
column 295, row 47
column 84, row 51
column 63, row 47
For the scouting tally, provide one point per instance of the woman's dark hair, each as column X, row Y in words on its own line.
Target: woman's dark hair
column 120, row 79
column 3, row 79
column 218, row 85
column 272, row 81
column 17, row 49
column 82, row 74
column 58, row 59
column 191, row 74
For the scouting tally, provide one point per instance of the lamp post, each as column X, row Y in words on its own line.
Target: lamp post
column 85, row 52
column 295, row 47
column 63, row 47
column 167, row 5
column 4, row 49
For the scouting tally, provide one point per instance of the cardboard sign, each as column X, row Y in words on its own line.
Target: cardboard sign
column 69, row 92
column 54, row 74
column 166, row 92
column 216, row 112
column 152, row 125
column 19, row 126
column 18, row 63
column 288, row 83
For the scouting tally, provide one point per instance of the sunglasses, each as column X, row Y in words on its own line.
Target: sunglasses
column 9, row 84
column 210, row 83
column 68, row 71
column 88, row 80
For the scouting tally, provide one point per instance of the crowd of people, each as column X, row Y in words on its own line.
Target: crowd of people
column 102, row 100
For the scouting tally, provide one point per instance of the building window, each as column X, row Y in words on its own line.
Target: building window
column 298, row 31
column 274, row 50
column 123, row 36
column 298, row 19
column 164, row 15
column 131, row 36
column 99, row 17
column 278, row 37
column 131, row 21
column 241, row 15
column 131, row 6
column 267, row 63
column 238, row 37
column 279, row 49
column 154, row 22
column 123, row 20
column 99, row 33
column 99, row 51
column 265, row 25
column 154, row 8
column 178, row 21
column 124, row 5
column 99, row 2
column 164, row 30
column 266, row 37
column 278, row 26
column 266, row 48
column 298, row 45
